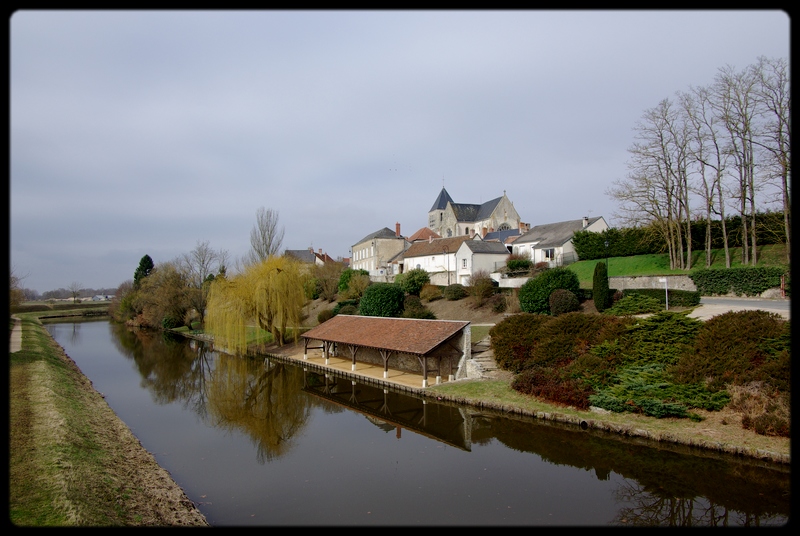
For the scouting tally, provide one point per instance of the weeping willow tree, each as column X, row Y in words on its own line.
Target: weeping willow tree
column 268, row 294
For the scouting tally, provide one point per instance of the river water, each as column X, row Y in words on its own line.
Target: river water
column 260, row 442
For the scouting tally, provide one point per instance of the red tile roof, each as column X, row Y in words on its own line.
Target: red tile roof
column 407, row 335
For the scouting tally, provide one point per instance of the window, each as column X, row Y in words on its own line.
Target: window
column 549, row 254
column 463, row 263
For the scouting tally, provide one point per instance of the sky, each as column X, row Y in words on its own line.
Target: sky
column 139, row 133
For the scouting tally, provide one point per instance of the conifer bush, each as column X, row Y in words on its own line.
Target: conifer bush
column 455, row 292
column 600, row 291
column 563, row 301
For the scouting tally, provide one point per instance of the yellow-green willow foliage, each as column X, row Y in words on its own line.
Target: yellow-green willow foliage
column 268, row 294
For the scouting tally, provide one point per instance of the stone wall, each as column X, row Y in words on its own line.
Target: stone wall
column 674, row 282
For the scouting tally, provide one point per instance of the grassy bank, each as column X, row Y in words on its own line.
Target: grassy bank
column 658, row 264
column 719, row 431
column 72, row 461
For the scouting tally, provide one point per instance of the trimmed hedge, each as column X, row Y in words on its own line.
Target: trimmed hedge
column 747, row 280
column 677, row 298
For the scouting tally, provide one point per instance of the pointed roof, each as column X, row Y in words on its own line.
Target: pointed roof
column 441, row 201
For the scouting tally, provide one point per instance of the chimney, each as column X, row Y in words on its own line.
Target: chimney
column 397, row 229
column 585, row 222
column 485, row 230
column 320, row 251
column 430, row 239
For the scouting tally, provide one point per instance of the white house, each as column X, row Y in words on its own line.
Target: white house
column 479, row 255
column 437, row 256
column 552, row 243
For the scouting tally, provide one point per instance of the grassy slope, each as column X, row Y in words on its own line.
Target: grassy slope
column 639, row 265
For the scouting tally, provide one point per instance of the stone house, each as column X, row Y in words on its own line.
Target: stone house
column 378, row 253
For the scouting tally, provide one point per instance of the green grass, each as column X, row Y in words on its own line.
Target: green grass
column 658, row 264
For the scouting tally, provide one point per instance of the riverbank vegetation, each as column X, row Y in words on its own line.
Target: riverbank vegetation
column 72, row 461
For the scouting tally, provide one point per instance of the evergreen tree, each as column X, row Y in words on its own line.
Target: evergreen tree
column 600, row 291
column 143, row 270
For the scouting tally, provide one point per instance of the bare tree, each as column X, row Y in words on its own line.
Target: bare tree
column 75, row 290
column 737, row 108
column 774, row 99
column 198, row 268
column 265, row 237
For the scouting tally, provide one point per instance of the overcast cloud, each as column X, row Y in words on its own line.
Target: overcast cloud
column 145, row 132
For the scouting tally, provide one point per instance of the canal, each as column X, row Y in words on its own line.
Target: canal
column 261, row 442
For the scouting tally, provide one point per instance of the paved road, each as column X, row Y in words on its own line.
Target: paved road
column 717, row 305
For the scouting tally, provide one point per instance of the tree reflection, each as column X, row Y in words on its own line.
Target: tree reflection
column 263, row 399
column 659, row 509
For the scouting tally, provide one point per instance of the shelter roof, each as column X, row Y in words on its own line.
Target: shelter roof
column 407, row 335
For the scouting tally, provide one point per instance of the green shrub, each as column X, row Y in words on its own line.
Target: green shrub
column 744, row 280
column 382, row 299
column 737, row 348
column 325, row 314
column 600, row 291
column 565, row 338
column 430, row 293
column 514, row 338
column 413, row 281
column 550, row 384
column 534, row 295
column 660, row 338
column 169, row 322
column 455, row 292
column 635, row 304
column 344, row 303
column 563, row 301
column 677, row 298
column 348, row 310
column 518, row 265
column 344, row 278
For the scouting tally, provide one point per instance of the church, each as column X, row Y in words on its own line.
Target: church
column 450, row 219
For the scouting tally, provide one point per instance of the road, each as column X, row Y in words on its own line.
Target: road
column 717, row 305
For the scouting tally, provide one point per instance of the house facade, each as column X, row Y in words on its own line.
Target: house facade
column 479, row 255
column 449, row 219
column 552, row 242
column 437, row 256
column 378, row 253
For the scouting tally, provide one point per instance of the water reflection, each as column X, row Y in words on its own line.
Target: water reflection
column 271, row 403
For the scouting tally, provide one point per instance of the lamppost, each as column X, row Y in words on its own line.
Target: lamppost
column 446, row 252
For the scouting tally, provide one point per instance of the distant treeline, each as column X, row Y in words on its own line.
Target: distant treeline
column 626, row 242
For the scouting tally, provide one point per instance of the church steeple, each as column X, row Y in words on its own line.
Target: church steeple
column 441, row 201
